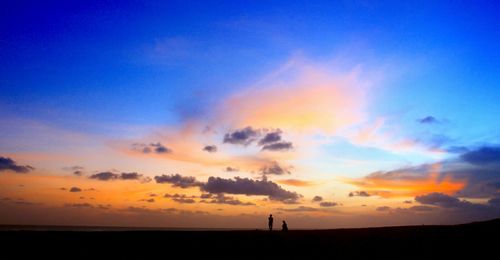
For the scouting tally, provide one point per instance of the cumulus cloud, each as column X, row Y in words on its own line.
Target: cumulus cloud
column 130, row 176
column 317, row 199
column 158, row 148
column 181, row 198
column 231, row 169
column 7, row 164
column 328, row 204
column 184, row 200
column 271, row 141
column 210, row 148
column 104, row 176
column 243, row 136
column 271, row 137
column 107, row 176
column 178, row 196
column 75, row 189
column 249, row 187
column 279, row 146
column 222, row 199
column 359, row 194
column 178, row 180
column 274, row 169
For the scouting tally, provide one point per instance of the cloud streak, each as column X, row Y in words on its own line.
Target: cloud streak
column 7, row 164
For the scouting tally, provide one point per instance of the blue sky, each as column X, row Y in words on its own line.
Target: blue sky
column 109, row 54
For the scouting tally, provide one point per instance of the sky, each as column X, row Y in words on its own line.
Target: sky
column 215, row 114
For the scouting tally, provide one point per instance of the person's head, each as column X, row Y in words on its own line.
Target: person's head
column 284, row 222
column 271, row 215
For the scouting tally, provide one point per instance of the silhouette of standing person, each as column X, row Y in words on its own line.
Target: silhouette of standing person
column 284, row 227
column 270, row 223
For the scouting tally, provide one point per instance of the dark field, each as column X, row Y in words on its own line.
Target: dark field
column 479, row 239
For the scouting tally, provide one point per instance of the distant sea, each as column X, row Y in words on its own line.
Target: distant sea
column 105, row 228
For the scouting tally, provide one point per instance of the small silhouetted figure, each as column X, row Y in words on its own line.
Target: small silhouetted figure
column 284, row 227
column 270, row 223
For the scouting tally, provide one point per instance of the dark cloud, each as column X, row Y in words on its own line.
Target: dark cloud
column 87, row 206
column 428, row 120
column 328, row 204
column 299, row 209
column 249, row 187
column 73, row 168
column 143, row 148
column 280, row 146
column 79, row 205
column 495, row 201
column 210, row 148
column 454, row 207
column 148, row 200
column 184, row 201
column 359, row 194
column 77, row 170
column 482, row 156
column 408, row 201
column 243, row 136
column 19, row 201
column 440, row 199
column 178, row 181
column 104, row 176
column 275, row 169
column 271, row 141
column 7, row 164
column 181, row 198
column 206, row 195
column 75, row 189
column 478, row 169
column 231, row 169
column 271, row 137
column 130, row 176
column 222, row 199
column 317, row 199
column 108, row 176
column 158, row 148
column 421, row 208
column 178, row 196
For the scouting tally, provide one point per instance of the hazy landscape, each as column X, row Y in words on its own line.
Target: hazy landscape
column 479, row 239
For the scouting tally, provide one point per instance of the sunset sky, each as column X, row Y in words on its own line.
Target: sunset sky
column 216, row 114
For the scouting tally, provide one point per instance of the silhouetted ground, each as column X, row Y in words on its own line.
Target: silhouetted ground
column 479, row 239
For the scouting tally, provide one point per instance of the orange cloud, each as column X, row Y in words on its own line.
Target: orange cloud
column 310, row 99
column 295, row 182
column 409, row 186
